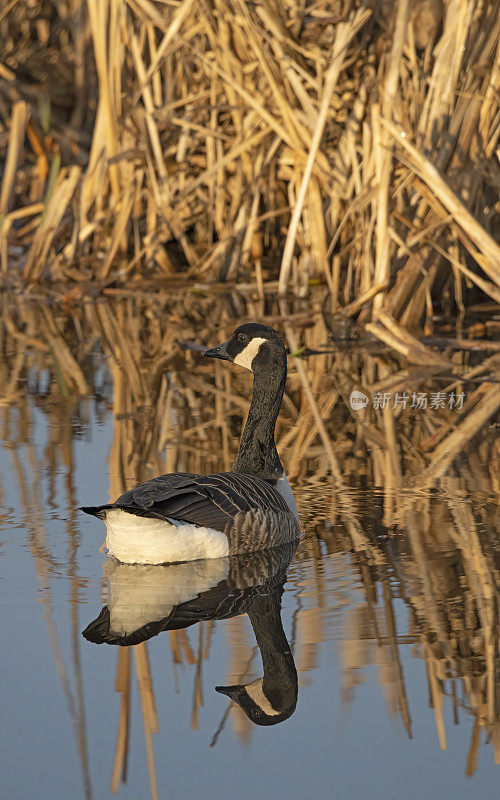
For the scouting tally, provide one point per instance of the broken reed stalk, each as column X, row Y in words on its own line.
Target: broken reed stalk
column 457, row 440
column 149, row 716
column 399, row 339
column 334, row 466
column 51, row 218
column 14, row 153
column 383, row 153
column 428, row 172
column 345, row 32
column 122, row 685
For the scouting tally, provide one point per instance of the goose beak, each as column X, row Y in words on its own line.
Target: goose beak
column 230, row 691
column 218, row 352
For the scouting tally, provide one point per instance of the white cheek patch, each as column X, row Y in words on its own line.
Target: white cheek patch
column 256, row 693
column 246, row 357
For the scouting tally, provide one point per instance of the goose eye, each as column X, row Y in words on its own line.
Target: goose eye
column 242, row 337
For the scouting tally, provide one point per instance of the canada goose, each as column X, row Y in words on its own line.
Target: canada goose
column 184, row 517
column 146, row 600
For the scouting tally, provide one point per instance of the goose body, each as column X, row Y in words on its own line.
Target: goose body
column 185, row 516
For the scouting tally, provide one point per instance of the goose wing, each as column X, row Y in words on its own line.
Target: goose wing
column 210, row 500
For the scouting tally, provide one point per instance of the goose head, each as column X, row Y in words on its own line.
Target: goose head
column 265, row 705
column 253, row 346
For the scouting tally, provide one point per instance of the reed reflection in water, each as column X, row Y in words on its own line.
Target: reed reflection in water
column 413, row 563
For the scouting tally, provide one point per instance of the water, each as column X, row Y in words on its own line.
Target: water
column 390, row 604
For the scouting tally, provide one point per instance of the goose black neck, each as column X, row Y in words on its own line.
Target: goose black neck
column 280, row 675
column 257, row 454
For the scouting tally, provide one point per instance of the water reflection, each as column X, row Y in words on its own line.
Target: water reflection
column 442, row 559
column 399, row 575
column 146, row 600
column 174, row 411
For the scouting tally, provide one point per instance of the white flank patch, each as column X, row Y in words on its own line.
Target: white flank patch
column 246, row 357
column 256, row 693
column 142, row 594
column 145, row 540
column 285, row 490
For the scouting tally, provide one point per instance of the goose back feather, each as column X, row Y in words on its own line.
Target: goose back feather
column 249, row 511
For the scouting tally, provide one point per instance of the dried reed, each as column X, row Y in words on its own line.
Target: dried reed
column 349, row 143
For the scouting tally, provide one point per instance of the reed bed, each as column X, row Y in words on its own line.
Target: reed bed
column 350, row 143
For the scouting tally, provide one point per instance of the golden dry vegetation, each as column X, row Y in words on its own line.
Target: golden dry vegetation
column 195, row 162
column 272, row 143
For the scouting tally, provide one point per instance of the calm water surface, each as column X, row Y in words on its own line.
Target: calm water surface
column 392, row 622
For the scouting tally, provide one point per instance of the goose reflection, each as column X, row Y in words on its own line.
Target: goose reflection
column 145, row 600
column 272, row 698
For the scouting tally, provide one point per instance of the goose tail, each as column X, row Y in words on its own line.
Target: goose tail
column 96, row 511
column 98, row 630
